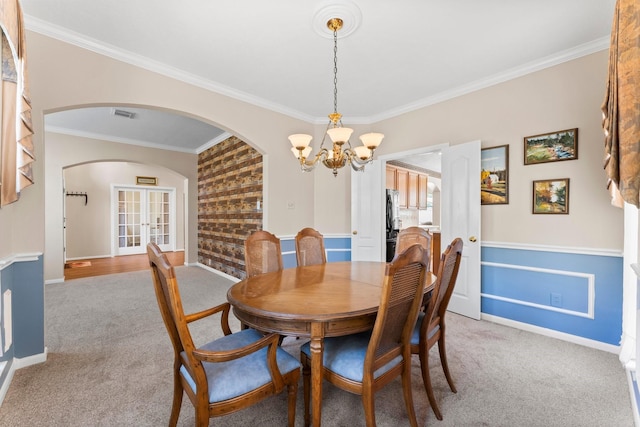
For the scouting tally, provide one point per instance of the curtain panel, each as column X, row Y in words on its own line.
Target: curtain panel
column 621, row 107
column 16, row 144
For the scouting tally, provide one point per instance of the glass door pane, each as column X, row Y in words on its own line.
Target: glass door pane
column 130, row 230
column 159, row 218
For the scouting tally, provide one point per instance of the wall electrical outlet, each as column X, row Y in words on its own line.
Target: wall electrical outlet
column 556, row 299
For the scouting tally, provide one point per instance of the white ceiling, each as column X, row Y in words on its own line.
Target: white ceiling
column 400, row 55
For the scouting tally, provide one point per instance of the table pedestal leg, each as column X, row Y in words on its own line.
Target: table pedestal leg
column 316, row 344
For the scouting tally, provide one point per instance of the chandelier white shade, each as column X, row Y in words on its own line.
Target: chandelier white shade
column 341, row 151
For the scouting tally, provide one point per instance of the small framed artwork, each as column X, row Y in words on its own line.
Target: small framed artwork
column 494, row 177
column 146, row 180
column 551, row 196
column 551, row 147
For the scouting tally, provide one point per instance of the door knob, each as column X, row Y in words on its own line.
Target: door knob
column 355, row 232
column 472, row 239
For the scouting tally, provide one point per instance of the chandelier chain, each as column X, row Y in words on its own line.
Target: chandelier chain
column 340, row 152
column 335, row 70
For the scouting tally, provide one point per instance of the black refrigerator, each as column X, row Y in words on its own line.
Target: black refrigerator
column 393, row 222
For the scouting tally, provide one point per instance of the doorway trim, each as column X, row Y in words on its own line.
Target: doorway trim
column 422, row 150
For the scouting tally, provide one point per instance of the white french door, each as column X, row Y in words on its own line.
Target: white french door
column 143, row 215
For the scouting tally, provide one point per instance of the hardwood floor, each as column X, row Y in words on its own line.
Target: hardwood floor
column 120, row 264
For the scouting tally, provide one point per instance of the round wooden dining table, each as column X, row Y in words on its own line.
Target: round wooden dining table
column 317, row 301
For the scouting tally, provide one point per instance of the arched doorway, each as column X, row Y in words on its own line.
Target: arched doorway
column 117, row 215
column 71, row 143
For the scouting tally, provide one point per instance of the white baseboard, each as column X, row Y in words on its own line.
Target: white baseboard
column 81, row 258
column 631, row 379
column 615, row 349
column 17, row 364
column 30, row 360
column 7, row 382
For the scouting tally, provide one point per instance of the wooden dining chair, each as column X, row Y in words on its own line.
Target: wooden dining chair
column 310, row 247
column 227, row 374
column 430, row 327
column 364, row 363
column 412, row 235
column 262, row 253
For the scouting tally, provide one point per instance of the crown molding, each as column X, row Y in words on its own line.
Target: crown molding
column 513, row 73
column 67, row 36
column 76, row 39
column 111, row 138
column 213, row 142
column 399, row 163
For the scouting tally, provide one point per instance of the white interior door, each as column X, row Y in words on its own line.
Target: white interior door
column 460, row 217
column 142, row 216
column 367, row 210
column 460, row 198
column 64, row 220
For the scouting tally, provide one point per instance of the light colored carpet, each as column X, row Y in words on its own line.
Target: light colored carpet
column 109, row 364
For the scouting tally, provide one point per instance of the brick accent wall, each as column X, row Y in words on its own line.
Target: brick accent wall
column 229, row 186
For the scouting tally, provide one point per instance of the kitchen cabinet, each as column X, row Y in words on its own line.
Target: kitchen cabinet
column 402, row 176
column 411, row 186
column 412, row 196
column 391, row 178
column 423, row 180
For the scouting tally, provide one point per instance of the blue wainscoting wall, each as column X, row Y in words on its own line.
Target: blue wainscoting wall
column 572, row 292
column 338, row 248
column 21, row 296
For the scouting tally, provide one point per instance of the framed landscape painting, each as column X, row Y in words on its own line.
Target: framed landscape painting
column 551, row 147
column 494, row 177
column 551, row 196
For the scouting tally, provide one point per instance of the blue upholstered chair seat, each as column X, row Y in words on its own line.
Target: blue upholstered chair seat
column 415, row 337
column 345, row 355
column 231, row 379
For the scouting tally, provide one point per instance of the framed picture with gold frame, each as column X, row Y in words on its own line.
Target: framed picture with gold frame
column 494, row 177
column 146, row 180
column 551, row 147
column 551, row 196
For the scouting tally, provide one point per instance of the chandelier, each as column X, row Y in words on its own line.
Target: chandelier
column 341, row 151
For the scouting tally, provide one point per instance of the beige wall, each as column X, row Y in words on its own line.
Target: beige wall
column 65, row 76
column 61, row 151
column 565, row 96
column 88, row 226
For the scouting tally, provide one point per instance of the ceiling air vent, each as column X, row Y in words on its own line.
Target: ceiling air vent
column 123, row 113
